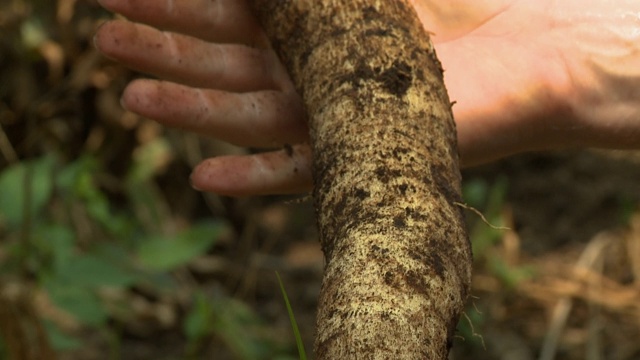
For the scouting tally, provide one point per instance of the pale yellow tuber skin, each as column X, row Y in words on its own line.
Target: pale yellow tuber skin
column 385, row 169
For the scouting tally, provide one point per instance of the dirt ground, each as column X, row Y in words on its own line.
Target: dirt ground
column 562, row 282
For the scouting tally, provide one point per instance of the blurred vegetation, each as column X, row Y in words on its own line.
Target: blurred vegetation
column 97, row 221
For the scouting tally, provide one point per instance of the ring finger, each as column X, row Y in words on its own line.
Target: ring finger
column 191, row 61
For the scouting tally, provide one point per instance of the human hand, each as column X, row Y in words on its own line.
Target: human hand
column 538, row 74
column 521, row 73
column 219, row 78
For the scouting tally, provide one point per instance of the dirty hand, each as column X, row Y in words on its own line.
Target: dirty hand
column 525, row 75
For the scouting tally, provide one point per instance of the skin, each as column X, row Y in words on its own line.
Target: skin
column 525, row 75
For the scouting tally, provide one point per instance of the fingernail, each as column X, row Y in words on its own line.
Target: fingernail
column 193, row 186
column 96, row 35
column 122, row 103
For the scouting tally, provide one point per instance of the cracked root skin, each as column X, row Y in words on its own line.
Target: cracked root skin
column 386, row 176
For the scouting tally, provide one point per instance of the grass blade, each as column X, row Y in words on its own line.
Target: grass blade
column 294, row 324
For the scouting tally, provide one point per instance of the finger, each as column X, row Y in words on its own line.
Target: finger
column 223, row 21
column 189, row 60
column 258, row 119
column 285, row 171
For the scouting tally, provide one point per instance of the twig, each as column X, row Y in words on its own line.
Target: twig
column 561, row 312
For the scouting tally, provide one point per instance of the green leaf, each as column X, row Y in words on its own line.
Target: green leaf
column 165, row 253
column 510, row 276
column 33, row 33
column 71, row 174
column 54, row 244
column 14, row 180
column 60, row 340
column 94, row 272
column 229, row 320
column 474, row 192
column 62, row 240
column 470, row 325
column 482, row 235
column 77, row 183
column 197, row 323
column 149, row 159
column 235, row 323
column 81, row 302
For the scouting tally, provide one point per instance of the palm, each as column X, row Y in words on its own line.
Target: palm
column 497, row 56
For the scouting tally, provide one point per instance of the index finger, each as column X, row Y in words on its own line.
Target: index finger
column 221, row 21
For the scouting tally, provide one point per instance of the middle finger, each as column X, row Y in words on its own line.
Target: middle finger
column 188, row 60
